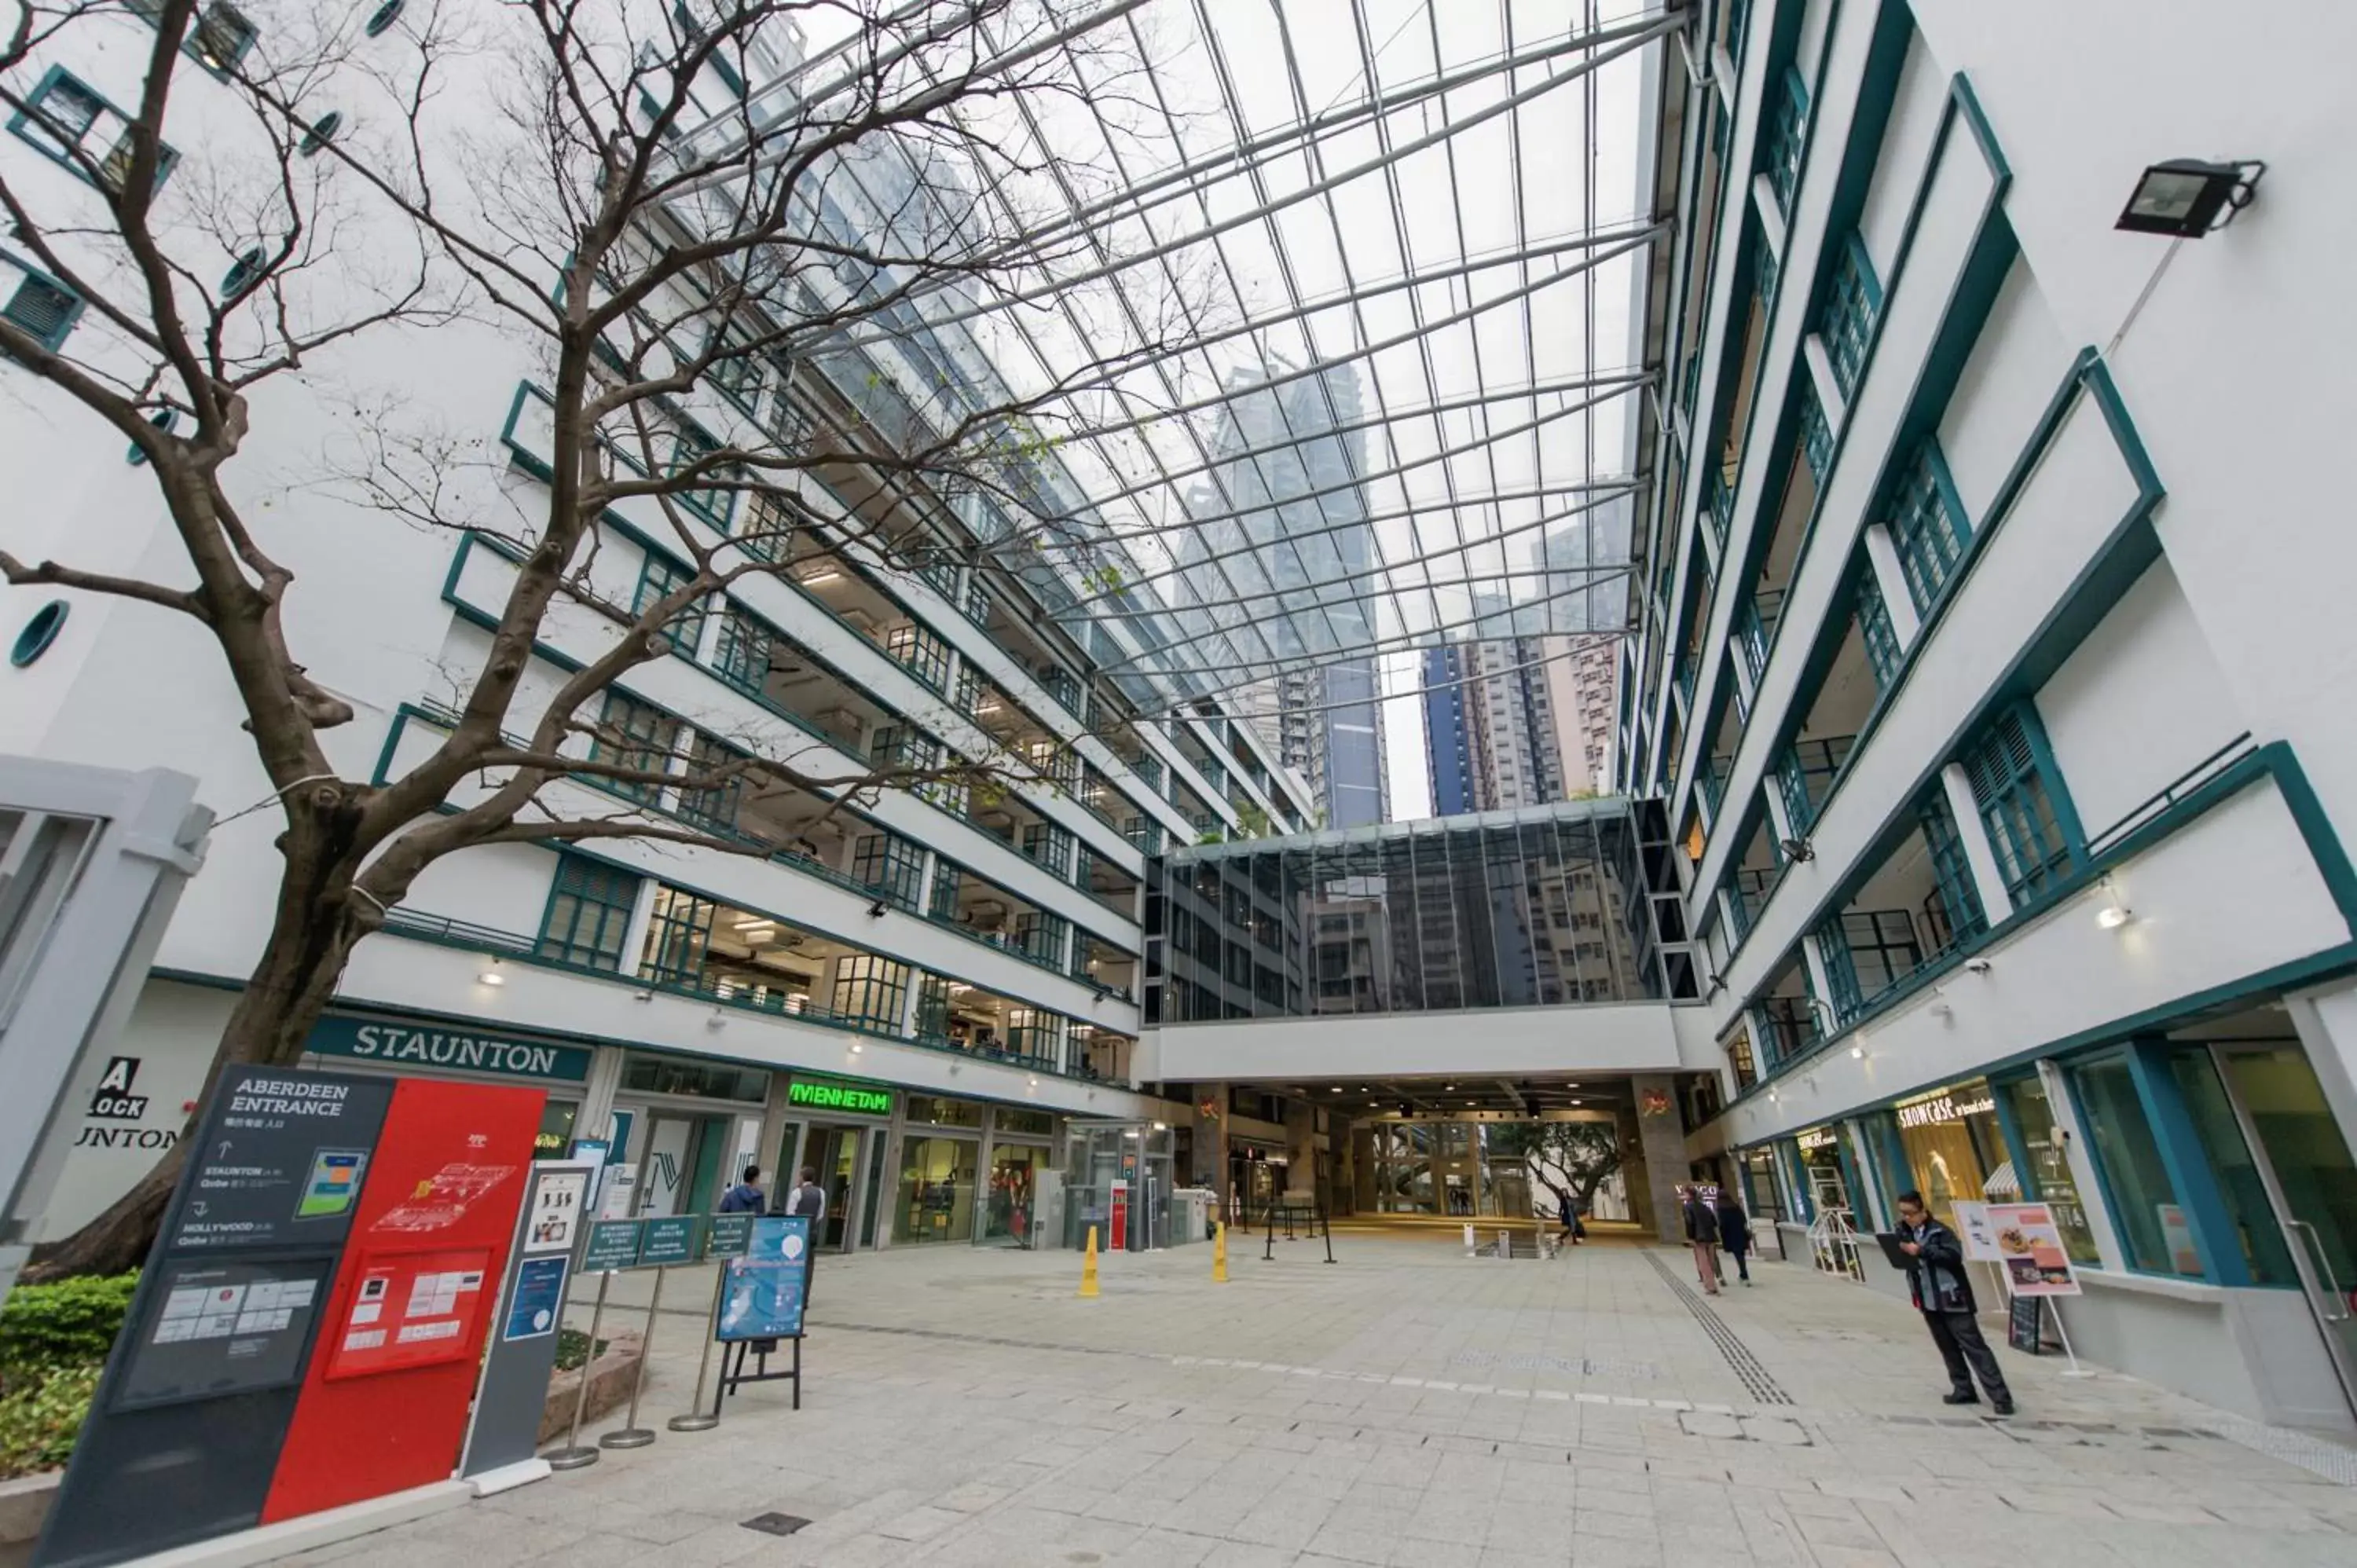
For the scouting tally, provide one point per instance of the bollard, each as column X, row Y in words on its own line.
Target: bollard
column 633, row 1435
column 1219, row 1254
column 1505, row 1244
column 697, row 1418
column 573, row 1456
column 1468, row 1241
column 1089, row 1269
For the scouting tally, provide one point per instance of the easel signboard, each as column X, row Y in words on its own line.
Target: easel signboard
column 2037, row 1264
column 762, row 1295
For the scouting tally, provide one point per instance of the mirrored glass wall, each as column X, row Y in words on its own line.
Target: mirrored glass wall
column 1546, row 906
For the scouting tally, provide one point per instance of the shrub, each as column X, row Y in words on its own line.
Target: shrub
column 40, row 1420
column 70, row 1324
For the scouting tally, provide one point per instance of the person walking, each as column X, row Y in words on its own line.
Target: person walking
column 1702, row 1232
column 1568, row 1210
column 808, row 1198
column 745, row 1198
column 1942, row 1291
column 1735, row 1232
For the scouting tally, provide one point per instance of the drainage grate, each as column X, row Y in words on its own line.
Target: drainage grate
column 1746, row 1366
column 776, row 1523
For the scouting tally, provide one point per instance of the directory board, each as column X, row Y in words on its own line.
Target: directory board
column 222, row 1327
column 280, row 1164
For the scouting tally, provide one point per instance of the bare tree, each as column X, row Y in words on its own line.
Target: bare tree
column 653, row 203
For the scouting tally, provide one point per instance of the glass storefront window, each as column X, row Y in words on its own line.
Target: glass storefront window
column 2144, row 1208
column 1036, row 1123
column 555, row 1135
column 1821, row 1166
column 2047, row 1178
column 936, row 1197
column 2239, row 1185
column 1014, row 1173
column 940, row 1113
column 1944, row 1134
column 703, row 1080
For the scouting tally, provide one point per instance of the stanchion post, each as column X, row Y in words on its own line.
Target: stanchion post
column 1088, row 1280
column 1326, row 1226
column 697, row 1418
column 574, row 1456
column 1268, row 1247
column 633, row 1435
column 1218, row 1251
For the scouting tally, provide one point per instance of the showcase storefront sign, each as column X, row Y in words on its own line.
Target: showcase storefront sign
column 1815, row 1139
column 827, row 1094
column 1944, row 1108
column 427, row 1045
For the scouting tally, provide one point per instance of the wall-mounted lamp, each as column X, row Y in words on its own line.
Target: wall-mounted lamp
column 876, row 910
column 1857, row 1053
column 642, row 995
column 1035, row 1083
column 719, row 1019
column 1799, row 850
column 857, row 1047
column 493, row 976
column 2187, row 198
column 1976, row 966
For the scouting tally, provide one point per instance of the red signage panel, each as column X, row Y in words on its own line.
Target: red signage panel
column 384, row 1403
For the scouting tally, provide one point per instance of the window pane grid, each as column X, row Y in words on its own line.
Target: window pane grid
column 2017, row 803
column 870, row 990
column 1816, row 435
column 1883, row 654
column 658, row 579
column 891, row 867
column 637, row 735
column 1953, row 911
column 1788, row 141
column 1848, row 317
column 1926, row 530
column 588, row 912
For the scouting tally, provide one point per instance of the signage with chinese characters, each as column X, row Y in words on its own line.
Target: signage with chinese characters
column 424, row 1045
column 830, row 1095
column 1944, row 1108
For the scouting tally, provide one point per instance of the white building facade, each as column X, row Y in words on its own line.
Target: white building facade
column 1994, row 651
column 916, row 993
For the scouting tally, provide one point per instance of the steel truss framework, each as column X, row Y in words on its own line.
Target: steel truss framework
column 1390, row 257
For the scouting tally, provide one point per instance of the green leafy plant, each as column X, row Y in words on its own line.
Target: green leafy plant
column 40, row 1420
column 70, row 1324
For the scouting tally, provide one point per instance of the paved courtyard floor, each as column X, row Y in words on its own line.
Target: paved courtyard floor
column 1405, row 1405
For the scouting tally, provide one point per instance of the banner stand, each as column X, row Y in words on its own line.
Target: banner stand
column 729, row 1381
column 697, row 1418
column 574, row 1456
column 633, row 1435
column 2076, row 1370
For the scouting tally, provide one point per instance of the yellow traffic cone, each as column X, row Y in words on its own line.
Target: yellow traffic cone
column 1089, row 1269
column 1219, row 1253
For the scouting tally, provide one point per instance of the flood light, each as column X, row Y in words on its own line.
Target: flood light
column 2187, row 198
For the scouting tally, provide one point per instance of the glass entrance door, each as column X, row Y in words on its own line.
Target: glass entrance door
column 2312, row 1181
column 835, row 1154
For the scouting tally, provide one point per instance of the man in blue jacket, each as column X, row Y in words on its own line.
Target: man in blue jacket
column 1935, row 1277
column 745, row 1198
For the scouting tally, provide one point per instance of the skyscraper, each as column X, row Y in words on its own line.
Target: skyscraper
column 1281, row 560
column 1491, row 727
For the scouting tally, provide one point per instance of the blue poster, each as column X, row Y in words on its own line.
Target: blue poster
column 538, row 1304
column 763, row 1292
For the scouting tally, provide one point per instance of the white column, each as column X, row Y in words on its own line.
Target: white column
column 595, row 1118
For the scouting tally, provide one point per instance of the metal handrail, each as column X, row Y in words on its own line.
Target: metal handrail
column 2152, row 805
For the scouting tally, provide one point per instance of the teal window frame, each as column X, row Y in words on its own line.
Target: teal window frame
column 1040, row 935
column 61, row 138
column 1848, row 998
column 39, row 305
column 1929, row 527
column 1049, row 847
column 1884, row 656
column 1853, row 301
column 679, row 937
column 1816, row 432
column 719, row 805
column 1030, row 1028
column 870, row 989
column 659, row 576
column 922, row 653
column 2024, row 804
column 941, row 901
column 1788, row 140
column 889, row 867
column 650, row 736
column 745, row 650
column 1958, row 895
column 588, row 918
column 217, row 25
column 687, row 443
column 735, row 372
column 765, row 529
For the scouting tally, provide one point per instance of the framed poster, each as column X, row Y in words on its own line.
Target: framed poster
column 763, row 1292
column 1973, row 1230
column 558, row 1206
column 2029, row 1246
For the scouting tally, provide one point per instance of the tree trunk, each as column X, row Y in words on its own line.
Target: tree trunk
column 310, row 941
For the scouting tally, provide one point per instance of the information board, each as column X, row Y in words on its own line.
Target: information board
column 223, row 1328
column 613, row 1245
column 669, row 1240
column 413, row 1309
column 763, row 1292
column 2037, row 1262
column 537, row 1304
column 728, row 1235
column 557, row 1211
column 281, row 1162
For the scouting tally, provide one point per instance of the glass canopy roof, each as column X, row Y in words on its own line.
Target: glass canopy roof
column 1325, row 315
